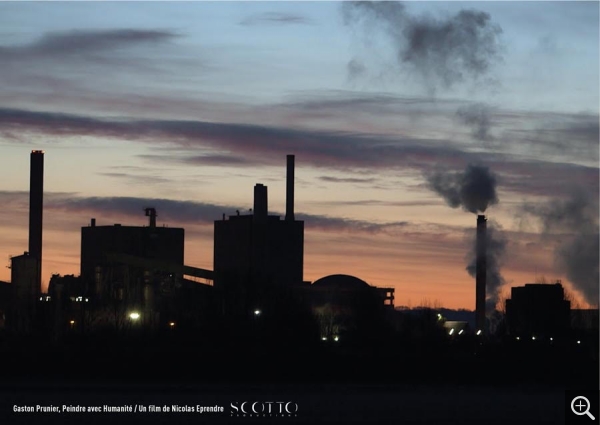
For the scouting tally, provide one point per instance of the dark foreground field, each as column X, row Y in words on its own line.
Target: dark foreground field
column 328, row 383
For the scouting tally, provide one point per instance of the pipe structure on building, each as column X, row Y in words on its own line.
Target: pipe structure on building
column 151, row 212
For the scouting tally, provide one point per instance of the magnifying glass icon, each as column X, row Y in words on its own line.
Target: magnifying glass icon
column 582, row 408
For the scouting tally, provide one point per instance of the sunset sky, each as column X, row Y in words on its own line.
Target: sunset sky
column 185, row 106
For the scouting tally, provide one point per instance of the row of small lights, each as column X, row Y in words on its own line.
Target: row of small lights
column 461, row 332
column 533, row 338
column 440, row 317
column 335, row 338
column 77, row 299
column 133, row 316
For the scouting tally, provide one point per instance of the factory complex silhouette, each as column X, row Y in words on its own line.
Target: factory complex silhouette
column 136, row 304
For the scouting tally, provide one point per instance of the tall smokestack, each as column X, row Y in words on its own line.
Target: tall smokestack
column 289, row 193
column 36, row 199
column 480, row 273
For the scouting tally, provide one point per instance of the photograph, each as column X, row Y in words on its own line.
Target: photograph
column 284, row 212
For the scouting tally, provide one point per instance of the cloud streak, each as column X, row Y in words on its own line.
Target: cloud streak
column 137, row 179
column 206, row 160
column 229, row 144
column 332, row 179
column 179, row 213
column 78, row 43
column 276, row 18
column 78, row 67
column 261, row 143
column 375, row 203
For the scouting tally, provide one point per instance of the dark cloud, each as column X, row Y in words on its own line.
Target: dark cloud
column 348, row 104
column 545, row 134
column 577, row 134
column 243, row 144
column 81, row 67
column 346, row 179
column 566, row 136
column 179, row 213
column 477, row 117
column 473, row 189
column 323, row 222
column 260, row 144
column 85, row 42
column 275, row 18
column 442, row 51
column 578, row 251
column 373, row 203
column 373, row 102
column 219, row 160
column 137, row 178
column 495, row 244
column 208, row 160
column 176, row 212
column 545, row 178
column 14, row 199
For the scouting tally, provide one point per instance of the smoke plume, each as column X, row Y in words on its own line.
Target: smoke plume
column 356, row 69
column 577, row 253
column 477, row 117
column 442, row 51
column 495, row 244
column 473, row 189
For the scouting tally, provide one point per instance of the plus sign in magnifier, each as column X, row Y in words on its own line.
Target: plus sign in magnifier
column 582, row 408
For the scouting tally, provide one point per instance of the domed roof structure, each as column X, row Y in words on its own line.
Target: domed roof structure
column 341, row 281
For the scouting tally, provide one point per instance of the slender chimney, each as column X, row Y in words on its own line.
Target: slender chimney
column 259, row 232
column 260, row 202
column 36, row 206
column 480, row 273
column 289, row 192
column 93, row 223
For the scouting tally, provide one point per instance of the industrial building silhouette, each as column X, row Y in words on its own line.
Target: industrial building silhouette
column 26, row 269
column 538, row 311
column 136, row 276
column 259, row 250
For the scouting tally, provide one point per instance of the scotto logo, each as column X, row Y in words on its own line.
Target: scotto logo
column 264, row 408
